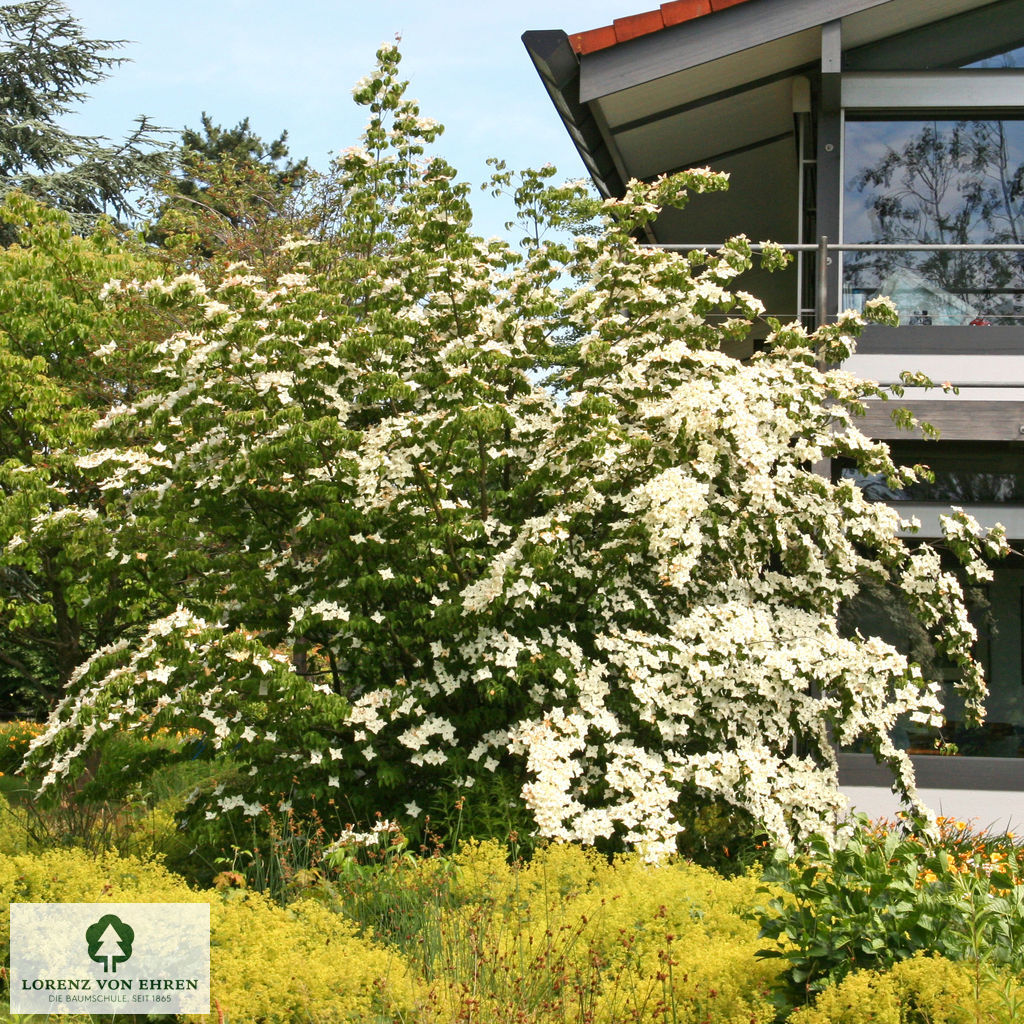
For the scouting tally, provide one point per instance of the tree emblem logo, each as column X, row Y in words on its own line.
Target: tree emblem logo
column 110, row 942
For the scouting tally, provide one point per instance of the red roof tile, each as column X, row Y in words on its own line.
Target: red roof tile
column 594, row 39
column 638, row 25
column 675, row 12
column 678, row 11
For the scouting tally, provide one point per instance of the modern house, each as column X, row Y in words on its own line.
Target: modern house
column 883, row 140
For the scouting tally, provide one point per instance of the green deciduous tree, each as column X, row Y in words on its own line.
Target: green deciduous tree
column 60, row 598
column 461, row 518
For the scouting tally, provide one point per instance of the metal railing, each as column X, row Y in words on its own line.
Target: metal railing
column 823, row 247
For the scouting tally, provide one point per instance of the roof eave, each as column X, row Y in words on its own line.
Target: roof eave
column 701, row 40
column 559, row 69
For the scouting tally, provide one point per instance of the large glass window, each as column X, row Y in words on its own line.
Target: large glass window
column 1007, row 59
column 944, row 182
column 997, row 611
column 963, row 473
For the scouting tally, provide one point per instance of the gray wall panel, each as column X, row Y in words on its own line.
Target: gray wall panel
column 956, row 421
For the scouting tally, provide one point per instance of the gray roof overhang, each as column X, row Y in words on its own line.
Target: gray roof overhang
column 725, row 85
column 559, row 69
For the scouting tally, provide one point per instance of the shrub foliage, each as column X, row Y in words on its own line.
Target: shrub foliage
column 440, row 510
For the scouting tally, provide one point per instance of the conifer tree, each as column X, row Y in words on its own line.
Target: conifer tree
column 229, row 195
column 214, row 144
column 46, row 61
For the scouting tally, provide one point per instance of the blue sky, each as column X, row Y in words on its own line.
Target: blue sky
column 291, row 65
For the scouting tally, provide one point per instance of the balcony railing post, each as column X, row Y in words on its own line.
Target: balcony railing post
column 821, row 283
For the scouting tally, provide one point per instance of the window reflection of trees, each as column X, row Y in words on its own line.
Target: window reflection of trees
column 964, row 473
column 942, row 182
column 952, row 487
column 879, row 610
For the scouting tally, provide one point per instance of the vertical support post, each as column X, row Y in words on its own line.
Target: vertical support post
column 830, row 140
column 802, row 110
column 821, row 282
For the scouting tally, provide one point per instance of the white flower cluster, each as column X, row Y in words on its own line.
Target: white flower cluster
column 381, row 832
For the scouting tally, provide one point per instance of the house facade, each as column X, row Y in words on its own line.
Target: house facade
column 883, row 140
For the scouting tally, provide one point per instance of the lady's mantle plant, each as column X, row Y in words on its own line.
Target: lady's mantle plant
column 447, row 511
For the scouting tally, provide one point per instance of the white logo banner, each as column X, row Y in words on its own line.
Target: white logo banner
column 110, row 958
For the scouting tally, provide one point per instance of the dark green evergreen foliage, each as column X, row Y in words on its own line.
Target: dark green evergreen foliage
column 226, row 181
column 45, row 61
column 214, row 144
column 19, row 669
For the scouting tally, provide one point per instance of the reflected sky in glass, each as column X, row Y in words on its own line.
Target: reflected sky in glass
column 943, row 181
column 940, row 189
column 1010, row 59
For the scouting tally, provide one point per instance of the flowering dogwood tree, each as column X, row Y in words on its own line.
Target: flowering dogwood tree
column 448, row 511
